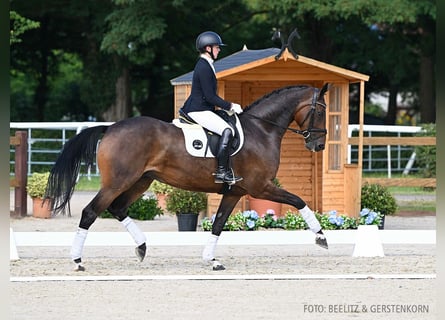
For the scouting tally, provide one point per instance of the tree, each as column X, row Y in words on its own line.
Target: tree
column 19, row 25
column 63, row 27
column 405, row 32
column 155, row 39
column 130, row 49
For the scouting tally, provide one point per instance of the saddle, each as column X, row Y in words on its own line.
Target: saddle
column 200, row 142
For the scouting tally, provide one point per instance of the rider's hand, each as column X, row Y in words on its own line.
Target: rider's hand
column 236, row 108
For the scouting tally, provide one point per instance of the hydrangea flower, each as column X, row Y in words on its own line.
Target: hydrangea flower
column 340, row 221
column 364, row 212
column 334, row 219
column 251, row 218
column 369, row 215
column 250, row 224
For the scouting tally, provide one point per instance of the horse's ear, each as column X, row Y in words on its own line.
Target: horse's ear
column 323, row 90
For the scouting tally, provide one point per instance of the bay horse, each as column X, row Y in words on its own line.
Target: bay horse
column 133, row 152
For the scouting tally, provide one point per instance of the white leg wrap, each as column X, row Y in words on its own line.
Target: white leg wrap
column 208, row 253
column 78, row 242
column 309, row 216
column 133, row 229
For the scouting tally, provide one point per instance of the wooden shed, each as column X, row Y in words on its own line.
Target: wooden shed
column 324, row 179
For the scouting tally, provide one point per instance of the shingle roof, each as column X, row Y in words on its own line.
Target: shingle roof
column 234, row 60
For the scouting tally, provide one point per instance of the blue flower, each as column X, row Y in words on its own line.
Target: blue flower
column 371, row 217
column 254, row 215
column 332, row 219
column 340, row 221
column 364, row 212
column 333, row 212
column 250, row 224
column 250, row 214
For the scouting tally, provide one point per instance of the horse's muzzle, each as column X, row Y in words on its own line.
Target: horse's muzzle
column 314, row 146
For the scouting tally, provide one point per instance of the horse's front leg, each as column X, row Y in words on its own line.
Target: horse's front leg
column 225, row 208
column 276, row 194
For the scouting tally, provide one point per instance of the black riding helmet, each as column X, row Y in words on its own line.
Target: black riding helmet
column 208, row 38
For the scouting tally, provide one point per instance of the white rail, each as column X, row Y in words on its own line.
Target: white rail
column 66, row 127
column 369, row 129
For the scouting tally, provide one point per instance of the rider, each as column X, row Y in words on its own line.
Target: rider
column 200, row 105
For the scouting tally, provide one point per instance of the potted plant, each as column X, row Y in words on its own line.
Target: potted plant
column 161, row 190
column 36, row 187
column 186, row 205
column 261, row 206
column 378, row 198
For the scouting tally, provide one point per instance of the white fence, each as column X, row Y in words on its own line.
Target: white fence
column 403, row 164
column 66, row 130
column 371, row 158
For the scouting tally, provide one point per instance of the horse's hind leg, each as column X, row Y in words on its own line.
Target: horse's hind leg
column 119, row 208
column 89, row 215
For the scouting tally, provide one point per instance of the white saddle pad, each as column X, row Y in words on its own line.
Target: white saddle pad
column 196, row 142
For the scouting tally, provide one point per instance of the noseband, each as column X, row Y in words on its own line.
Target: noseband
column 307, row 132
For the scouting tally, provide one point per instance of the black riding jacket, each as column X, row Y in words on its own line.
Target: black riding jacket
column 204, row 90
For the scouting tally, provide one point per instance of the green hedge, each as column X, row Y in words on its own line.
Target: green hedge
column 142, row 209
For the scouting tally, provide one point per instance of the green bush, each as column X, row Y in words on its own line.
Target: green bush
column 376, row 197
column 426, row 155
column 142, row 209
column 184, row 201
column 36, row 184
column 293, row 221
column 160, row 187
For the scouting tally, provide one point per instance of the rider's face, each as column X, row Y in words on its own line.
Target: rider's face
column 215, row 50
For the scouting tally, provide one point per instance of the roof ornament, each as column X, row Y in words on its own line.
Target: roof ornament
column 277, row 35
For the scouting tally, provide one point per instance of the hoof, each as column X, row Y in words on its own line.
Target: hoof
column 79, row 268
column 217, row 266
column 140, row 252
column 320, row 240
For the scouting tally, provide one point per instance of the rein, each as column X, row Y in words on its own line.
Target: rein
column 307, row 132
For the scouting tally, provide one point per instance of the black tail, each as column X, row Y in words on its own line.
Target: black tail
column 63, row 176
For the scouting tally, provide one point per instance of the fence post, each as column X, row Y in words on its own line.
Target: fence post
column 21, row 174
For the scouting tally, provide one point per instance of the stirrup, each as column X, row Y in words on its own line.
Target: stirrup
column 219, row 176
column 230, row 177
column 226, row 176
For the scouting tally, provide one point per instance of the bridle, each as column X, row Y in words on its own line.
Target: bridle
column 307, row 132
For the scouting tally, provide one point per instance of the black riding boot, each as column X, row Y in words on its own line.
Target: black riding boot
column 224, row 174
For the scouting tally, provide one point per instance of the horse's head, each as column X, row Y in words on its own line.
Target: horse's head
column 311, row 117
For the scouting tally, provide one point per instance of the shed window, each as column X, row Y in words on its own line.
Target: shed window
column 335, row 128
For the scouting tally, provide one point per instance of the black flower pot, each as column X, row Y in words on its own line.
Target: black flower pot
column 187, row 221
column 382, row 223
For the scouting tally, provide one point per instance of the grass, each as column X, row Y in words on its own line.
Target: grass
column 412, row 190
column 428, row 206
column 85, row 184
